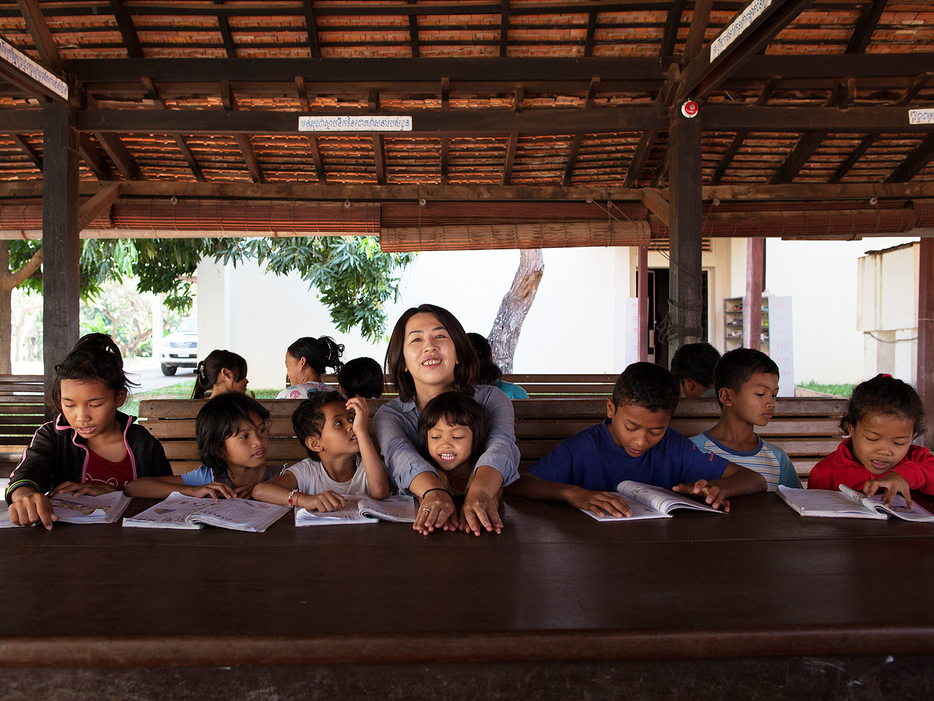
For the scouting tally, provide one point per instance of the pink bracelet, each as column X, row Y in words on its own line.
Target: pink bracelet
column 292, row 494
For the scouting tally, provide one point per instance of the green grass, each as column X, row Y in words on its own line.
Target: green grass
column 839, row 390
column 180, row 390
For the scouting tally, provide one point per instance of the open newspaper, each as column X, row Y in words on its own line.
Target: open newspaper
column 848, row 503
column 105, row 508
column 648, row 502
column 359, row 508
column 182, row 512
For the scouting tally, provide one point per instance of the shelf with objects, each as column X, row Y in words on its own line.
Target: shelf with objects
column 775, row 337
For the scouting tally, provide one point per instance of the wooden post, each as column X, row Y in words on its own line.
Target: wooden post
column 685, row 242
column 643, row 298
column 61, row 248
column 755, row 276
column 926, row 336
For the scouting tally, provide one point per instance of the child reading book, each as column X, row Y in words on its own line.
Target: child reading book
column 746, row 381
column 341, row 456
column 452, row 432
column 233, row 438
column 634, row 443
column 883, row 417
column 90, row 447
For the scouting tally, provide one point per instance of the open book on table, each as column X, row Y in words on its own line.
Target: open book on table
column 848, row 503
column 359, row 508
column 648, row 502
column 105, row 508
column 179, row 511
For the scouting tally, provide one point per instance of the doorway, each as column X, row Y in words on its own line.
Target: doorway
column 658, row 313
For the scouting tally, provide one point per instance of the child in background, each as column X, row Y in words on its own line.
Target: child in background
column 361, row 377
column 634, row 443
column 693, row 365
column 341, row 456
column 222, row 371
column 490, row 374
column 746, row 382
column 452, row 433
column 883, row 417
column 233, row 439
column 305, row 363
column 90, row 447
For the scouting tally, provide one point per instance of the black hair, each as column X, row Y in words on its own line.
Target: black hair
column 95, row 357
column 884, row 394
column 455, row 409
column 320, row 353
column 647, row 385
column 361, row 377
column 489, row 371
column 308, row 417
column 468, row 364
column 218, row 420
column 737, row 366
column 210, row 368
column 695, row 361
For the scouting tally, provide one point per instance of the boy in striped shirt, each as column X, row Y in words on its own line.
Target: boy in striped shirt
column 746, row 382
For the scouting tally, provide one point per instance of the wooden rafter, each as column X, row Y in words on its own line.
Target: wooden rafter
column 242, row 137
column 649, row 137
column 92, row 158
column 179, row 139
column 591, row 34
column 379, row 157
column 866, row 25
column 311, row 26
column 697, row 30
column 413, row 32
column 117, row 150
column 504, row 29
column 28, row 150
column 97, row 205
column 223, row 24
column 445, row 107
column 741, row 135
column 579, row 138
column 915, row 162
column 127, row 30
column 40, row 34
column 672, row 24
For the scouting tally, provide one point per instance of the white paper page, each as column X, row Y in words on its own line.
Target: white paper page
column 105, row 508
column 658, row 498
column 826, row 502
column 239, row 514
column 169, row 513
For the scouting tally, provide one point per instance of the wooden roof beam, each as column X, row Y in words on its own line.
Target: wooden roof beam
column 656, row 204
column 699, row 21
column 97, row 205
column 591, row 34
column 504, row 29
column 917, row 160
column 40, row 34
column 741, row 135
column 865, row 26
column 316, row 157
column 179, row 139
column 379, row 157
column 702, row 75
column 242, row 138
column 311, row 26
column 579, row 138
column 93, row 159
column 413, row 32
column 116, row 149
column 127, row 31
column 672, row 24
column 647, row 141
column 445, row 107
column 28, row 150
column 223, row 24
column 302, row 91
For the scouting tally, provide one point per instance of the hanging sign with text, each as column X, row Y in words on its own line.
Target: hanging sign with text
column 361, row 123
column 33, row 70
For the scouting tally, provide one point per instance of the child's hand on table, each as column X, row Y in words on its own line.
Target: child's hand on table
column 436, row 510
column 92, row 489
column 711, row 493
column 29, row 507
column 323, row 502
column 893, row 484
column 600, row 503
column 215, row 490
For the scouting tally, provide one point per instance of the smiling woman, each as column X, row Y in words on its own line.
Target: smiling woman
column 429, row 354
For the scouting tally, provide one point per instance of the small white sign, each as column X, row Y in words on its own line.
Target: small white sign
column 26, row 65
column 737, row 27
column 362, row 123
column 921, row 116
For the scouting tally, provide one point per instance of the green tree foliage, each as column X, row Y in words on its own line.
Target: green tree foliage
column 354, row 278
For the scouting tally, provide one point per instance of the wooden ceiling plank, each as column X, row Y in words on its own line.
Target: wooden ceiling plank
column 97, row 205
column 865, row 26
column 311, row 26
column 917, row 160
column 39, row 32
column 127, row 31
column 28, row 150
column 701, row 76
column 379, row 157
column 672, row 24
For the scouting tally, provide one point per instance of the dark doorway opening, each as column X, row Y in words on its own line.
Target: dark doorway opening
column 658, row 313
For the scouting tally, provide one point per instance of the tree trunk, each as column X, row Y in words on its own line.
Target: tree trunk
column 10, row 280
column 504, row 337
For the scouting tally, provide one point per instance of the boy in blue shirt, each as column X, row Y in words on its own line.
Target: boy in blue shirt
column 746, row 381
column 634, row 443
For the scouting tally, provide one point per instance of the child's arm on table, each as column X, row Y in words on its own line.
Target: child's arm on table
column 278, row 490
column 377, row 478
column 92, row 489
column 481, row 505
column 600, row 503
column 31, row 506
column 162, row 487
column 893, row 484
column 435, row 507
column 734, row 481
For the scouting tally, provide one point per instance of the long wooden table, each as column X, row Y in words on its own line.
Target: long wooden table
column 554, row 587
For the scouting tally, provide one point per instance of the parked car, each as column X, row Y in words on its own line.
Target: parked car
column 180, row 348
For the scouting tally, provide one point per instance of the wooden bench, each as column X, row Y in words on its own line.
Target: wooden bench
column 536, row 385
column 22, row 411
column 806, row 428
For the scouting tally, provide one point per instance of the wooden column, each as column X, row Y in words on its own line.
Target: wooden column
column 61, row 248
column 755, row 277
column 643, row 298
column 926, row 337
column 684, row 287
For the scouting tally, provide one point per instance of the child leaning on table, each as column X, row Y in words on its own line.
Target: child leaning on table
column 233, row 439
column 883, row 417
column 452, row 432
column 341, row 456
column 746, row 382
column 90, row 447
column 634, row 443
